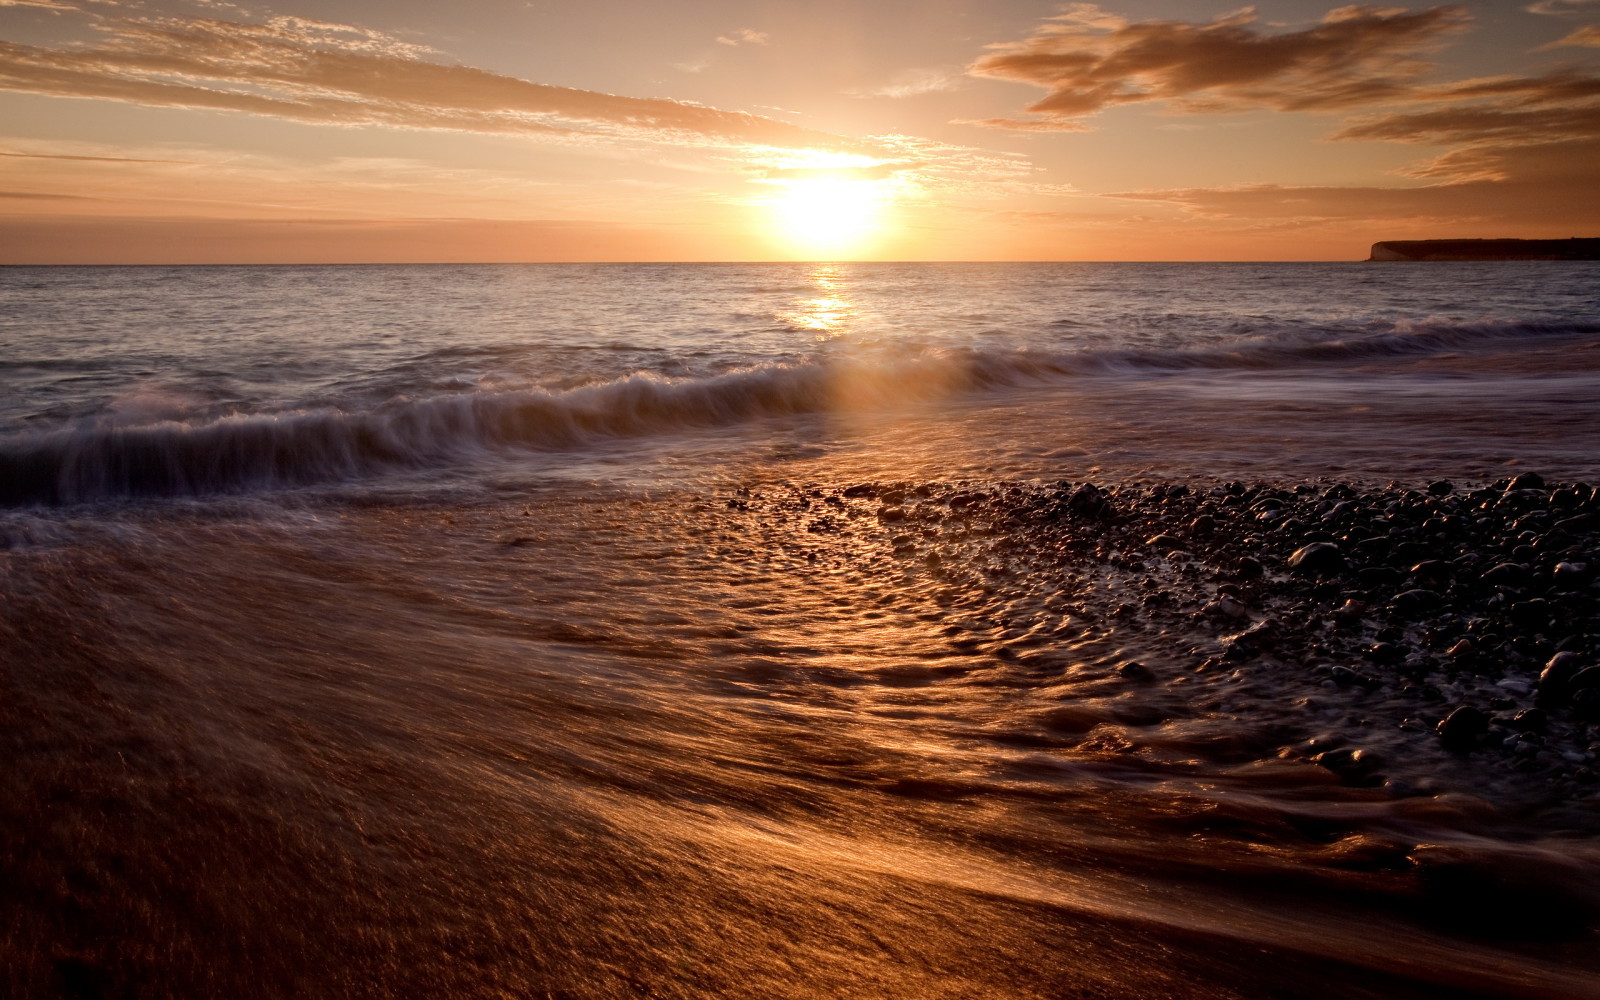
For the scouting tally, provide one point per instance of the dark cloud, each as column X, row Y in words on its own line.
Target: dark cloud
column 1089, row 61
column 332, row 74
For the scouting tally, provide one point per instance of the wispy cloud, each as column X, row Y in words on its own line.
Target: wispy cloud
column 1089, row 60
column 342, row 75
column 744, row 36
column 1562, row 7
column 914, row 83
column 1587, row 37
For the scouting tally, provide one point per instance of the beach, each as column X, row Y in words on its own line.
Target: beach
column 1023, row 636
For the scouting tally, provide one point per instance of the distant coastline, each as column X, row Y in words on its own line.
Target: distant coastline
column 1570, row 249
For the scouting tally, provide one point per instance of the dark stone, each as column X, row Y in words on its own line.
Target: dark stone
column 1346, row 677
column 1526, row 481
column 1530, row 614
column 1433, row 572
column 1462, row 728
column 1089, row 500
column 1506, row 574
column 1587, row 679
column 1353, row 765
column 1248, row 568
column 1375, row 549
column 1571, row 575
column 1441, row 488
column 1417, row 599
column 1133, row 670
column 1572, row 525
column 1530, row 720
column 1511, row 897
column 1317, row 559
column 1385, row 652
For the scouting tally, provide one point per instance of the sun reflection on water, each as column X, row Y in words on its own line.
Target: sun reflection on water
column 827, row 313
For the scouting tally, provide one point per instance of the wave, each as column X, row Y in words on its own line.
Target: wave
column 176, row 457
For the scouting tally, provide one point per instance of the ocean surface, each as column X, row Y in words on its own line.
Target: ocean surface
column 470, row 631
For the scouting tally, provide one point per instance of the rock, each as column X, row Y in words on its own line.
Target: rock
column 1573, row 525
column 1526, row 481
column 1418, row 599
column 1089, row 500
column 1133, row 670
column 1462, row 728
column 1377, row 576
column 1503, row 576
column 1571, row 575
column 1441, row 488
column 1530, row 720
column 1433, row 572
column 1317, row 559
column 1529, row 895
column 1165, row 543
column 1386, row 652
column 1533, row 613
column 1248, row 568
column 1353, row 765
column 1226, row 607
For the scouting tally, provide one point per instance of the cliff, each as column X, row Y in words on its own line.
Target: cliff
column 1573, row 249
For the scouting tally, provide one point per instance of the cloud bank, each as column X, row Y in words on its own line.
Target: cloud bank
column 333, row 74
column 1519, row 150
column 1089, row 60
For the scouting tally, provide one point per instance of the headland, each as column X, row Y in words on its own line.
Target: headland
column 1570, row 249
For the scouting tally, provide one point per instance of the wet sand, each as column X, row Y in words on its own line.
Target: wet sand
column 812, row 739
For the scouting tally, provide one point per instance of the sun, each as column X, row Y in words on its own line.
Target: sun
column 829, row 205
column 833, row 214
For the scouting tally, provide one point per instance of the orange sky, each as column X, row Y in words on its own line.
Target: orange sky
column 197, row 131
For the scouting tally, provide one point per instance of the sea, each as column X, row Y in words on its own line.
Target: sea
column 504, row 630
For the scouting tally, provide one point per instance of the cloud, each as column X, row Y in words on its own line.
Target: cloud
column 1524, row 150
column 91, row 159
column 913, row 83
column 1089, row 61
column 1560, row 7
column 1546, row 191
column 744, row 36
column 1587, row 37
column 334, row 74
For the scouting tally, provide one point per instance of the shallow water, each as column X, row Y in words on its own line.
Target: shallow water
column 351, row 650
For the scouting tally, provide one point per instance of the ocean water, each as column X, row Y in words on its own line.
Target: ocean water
column 508, row 630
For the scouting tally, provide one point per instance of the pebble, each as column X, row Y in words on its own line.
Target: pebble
column 1462, row 728
column 1317, row 559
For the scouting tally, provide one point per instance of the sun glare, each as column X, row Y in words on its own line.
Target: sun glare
column 834, row 214
column 828, row 204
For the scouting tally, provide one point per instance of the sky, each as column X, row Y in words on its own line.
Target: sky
column 208, row 131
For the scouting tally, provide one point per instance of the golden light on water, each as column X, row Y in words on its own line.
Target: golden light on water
column 828, row 312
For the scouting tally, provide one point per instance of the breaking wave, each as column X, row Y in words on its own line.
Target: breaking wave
column 174, row 457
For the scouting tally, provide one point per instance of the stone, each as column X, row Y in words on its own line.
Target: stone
column 1462, row 728
column 1505, row 575
column 1317, row 559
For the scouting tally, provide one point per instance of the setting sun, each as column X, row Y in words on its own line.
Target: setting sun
column 831, row 214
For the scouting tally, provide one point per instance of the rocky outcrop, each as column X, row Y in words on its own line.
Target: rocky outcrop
column 1572, row 249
